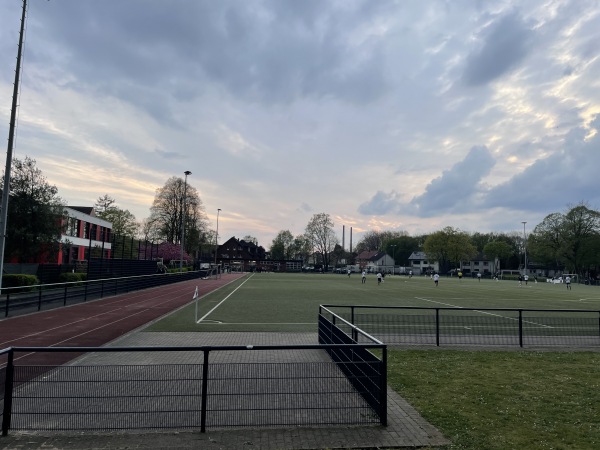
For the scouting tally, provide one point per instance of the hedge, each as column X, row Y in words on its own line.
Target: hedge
column 19, row 280
column 69, row 277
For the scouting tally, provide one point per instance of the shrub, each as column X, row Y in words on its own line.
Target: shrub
column 19, row 280
column 69, row 277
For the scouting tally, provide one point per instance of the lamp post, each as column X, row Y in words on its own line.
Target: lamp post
column 524, row 248
column 186, row 173
column 394, row 256
column 217, row 236
column 9, row 150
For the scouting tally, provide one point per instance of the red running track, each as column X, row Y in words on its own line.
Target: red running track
column 97, row 322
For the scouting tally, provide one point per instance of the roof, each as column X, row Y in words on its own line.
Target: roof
column 366, row 255
column 89, row 210
column 371, row 256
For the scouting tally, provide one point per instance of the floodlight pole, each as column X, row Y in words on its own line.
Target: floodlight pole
column 217, row 236
column 9, row 150
column 394, row 257
column 186, row 173
column 524, row 248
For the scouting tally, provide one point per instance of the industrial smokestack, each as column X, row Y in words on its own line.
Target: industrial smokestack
column 350, row 239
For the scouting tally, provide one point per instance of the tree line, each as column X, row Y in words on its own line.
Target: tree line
column 568, row 241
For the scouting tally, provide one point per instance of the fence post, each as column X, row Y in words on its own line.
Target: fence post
column 354, row 332
column 65, row 295
column 8, row 393
column 383, row 387
column 6, row 305
column 40, row 297
column 204, row 392
column 437, row 327
column 520, row 328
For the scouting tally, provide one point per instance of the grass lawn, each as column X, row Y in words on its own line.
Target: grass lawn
column 503, row 400
column 478, row 399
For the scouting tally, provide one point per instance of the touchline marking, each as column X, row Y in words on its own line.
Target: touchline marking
column 258, row 323
column 485, row 312
column 219, row 304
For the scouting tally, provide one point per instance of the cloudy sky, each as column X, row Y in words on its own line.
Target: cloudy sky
column 388, row 115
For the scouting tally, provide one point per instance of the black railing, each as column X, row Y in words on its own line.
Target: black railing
column 366, row 371
column 475, row 326
column 23, row 300
column 216, row 387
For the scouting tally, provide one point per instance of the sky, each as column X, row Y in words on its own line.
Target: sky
column 387, row 115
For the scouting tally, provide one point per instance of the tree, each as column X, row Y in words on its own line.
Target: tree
column 167, row 214
column 282, row 246
column 498, row 250
column 570, row 239
column 123, row 222
column 302, row 248
column 34, row 214
column 378, row 240
column 448, row 246
column 400, row 248
column 169, row 251
column 319, row 232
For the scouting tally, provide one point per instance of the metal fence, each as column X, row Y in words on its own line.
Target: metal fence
column 185, row 388
column 475, row 326
column 366, row 371
column 23, row 300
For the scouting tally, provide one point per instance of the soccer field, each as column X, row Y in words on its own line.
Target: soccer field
column 290, row 302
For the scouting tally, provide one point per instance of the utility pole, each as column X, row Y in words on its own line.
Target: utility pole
column 9, row 150
column 524, row 249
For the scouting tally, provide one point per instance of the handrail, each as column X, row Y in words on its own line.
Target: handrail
column 354, row 327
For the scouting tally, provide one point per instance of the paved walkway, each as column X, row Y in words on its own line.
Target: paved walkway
column 406, row 428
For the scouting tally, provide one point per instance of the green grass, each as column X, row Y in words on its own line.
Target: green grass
column 479, row 400
column 503, row 400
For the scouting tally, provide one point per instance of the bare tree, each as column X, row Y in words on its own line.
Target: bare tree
column 168, row 213
column 322, row 237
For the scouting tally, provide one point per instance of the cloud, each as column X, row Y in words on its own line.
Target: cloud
column 456, row 190
column 505, row 43
column 562, row 178
column 381, row 203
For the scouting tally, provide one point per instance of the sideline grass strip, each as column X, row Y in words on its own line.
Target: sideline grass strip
column 503, row 400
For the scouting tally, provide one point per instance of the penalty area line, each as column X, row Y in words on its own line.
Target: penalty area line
column 219, row 304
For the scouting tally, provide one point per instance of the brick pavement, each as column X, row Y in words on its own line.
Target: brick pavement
column 406, row 428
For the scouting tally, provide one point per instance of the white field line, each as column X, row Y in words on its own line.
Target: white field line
column 257, row 323
column 219, row 304
column 485, row 312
